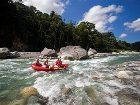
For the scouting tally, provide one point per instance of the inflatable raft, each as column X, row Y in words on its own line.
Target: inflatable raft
column 50, row 68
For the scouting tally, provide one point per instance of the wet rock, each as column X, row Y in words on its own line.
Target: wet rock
column 76, row 51
column 29, row 91
column 30, row 95
column 48, row 52
column 128, row 96
column 4, row 53
column 43, row 100
column 95, row 78
column 91, row 93
column 126, row 77
column 124, row 74
column 67, row 56
column 91, row 52
column 66, row 90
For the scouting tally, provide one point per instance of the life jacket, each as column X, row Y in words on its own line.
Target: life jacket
column 58, row 63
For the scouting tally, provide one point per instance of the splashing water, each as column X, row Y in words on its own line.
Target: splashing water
column 16, row 74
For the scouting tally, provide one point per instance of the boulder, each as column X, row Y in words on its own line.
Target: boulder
column 67, row 56
column 124, row 74
column 43, row 100
column 74, row 51
column 29, row 91
column 91, row 93
column 95, row 77
column 91, row 52
column 48, row 52
column 14, row 54
column 4, row 53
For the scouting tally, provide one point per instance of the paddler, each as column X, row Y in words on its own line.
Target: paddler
column 38, row 63
column 58, row 63
column 45, row 64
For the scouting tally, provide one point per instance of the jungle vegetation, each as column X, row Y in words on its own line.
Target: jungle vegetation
column 24, row 28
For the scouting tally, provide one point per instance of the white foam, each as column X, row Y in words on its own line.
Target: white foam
column 82, row 82
column 48, row 89
column 26, row 69
column 111, row 101
column 115, row 83
column 79, row 84
column 107, row 90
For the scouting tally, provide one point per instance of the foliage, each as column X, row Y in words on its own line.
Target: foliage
column 24, row 28
column 136, row 46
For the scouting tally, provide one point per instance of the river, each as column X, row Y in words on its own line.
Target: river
column 16, row 74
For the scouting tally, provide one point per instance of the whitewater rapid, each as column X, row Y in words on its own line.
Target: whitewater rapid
column 16, row 74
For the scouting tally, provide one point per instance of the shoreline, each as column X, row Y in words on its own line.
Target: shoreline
column 67, row 53
column 27, row 55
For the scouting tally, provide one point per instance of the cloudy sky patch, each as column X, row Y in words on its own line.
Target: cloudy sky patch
column 102, row 16
column 46, row 6
column 123, row 35
column 135, row 25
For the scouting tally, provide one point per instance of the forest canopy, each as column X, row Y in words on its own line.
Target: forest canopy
column 24, row 28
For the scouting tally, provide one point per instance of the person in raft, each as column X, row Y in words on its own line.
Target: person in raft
column 58, row 63
column 45, row 64
column 38, row 63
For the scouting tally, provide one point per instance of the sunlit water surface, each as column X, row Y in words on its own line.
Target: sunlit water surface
column 16, row 74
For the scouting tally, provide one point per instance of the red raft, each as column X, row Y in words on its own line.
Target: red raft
column 50, row 68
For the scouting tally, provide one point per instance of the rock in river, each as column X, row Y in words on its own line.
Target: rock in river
column 4, row 53
column 29, row 91
column 74, row 51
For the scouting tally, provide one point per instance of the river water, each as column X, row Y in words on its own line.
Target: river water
column 16, row 74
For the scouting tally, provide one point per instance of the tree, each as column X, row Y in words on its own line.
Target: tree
column 25, row 28
column 6, row 22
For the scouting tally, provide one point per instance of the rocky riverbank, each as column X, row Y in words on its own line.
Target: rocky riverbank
column 67, row 53
column 26, row 55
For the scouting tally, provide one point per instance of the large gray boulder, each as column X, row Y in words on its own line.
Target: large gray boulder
column 4, row 53
column 48, row 52
column 67, row 56
column 91, row 52
column 75, row 52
